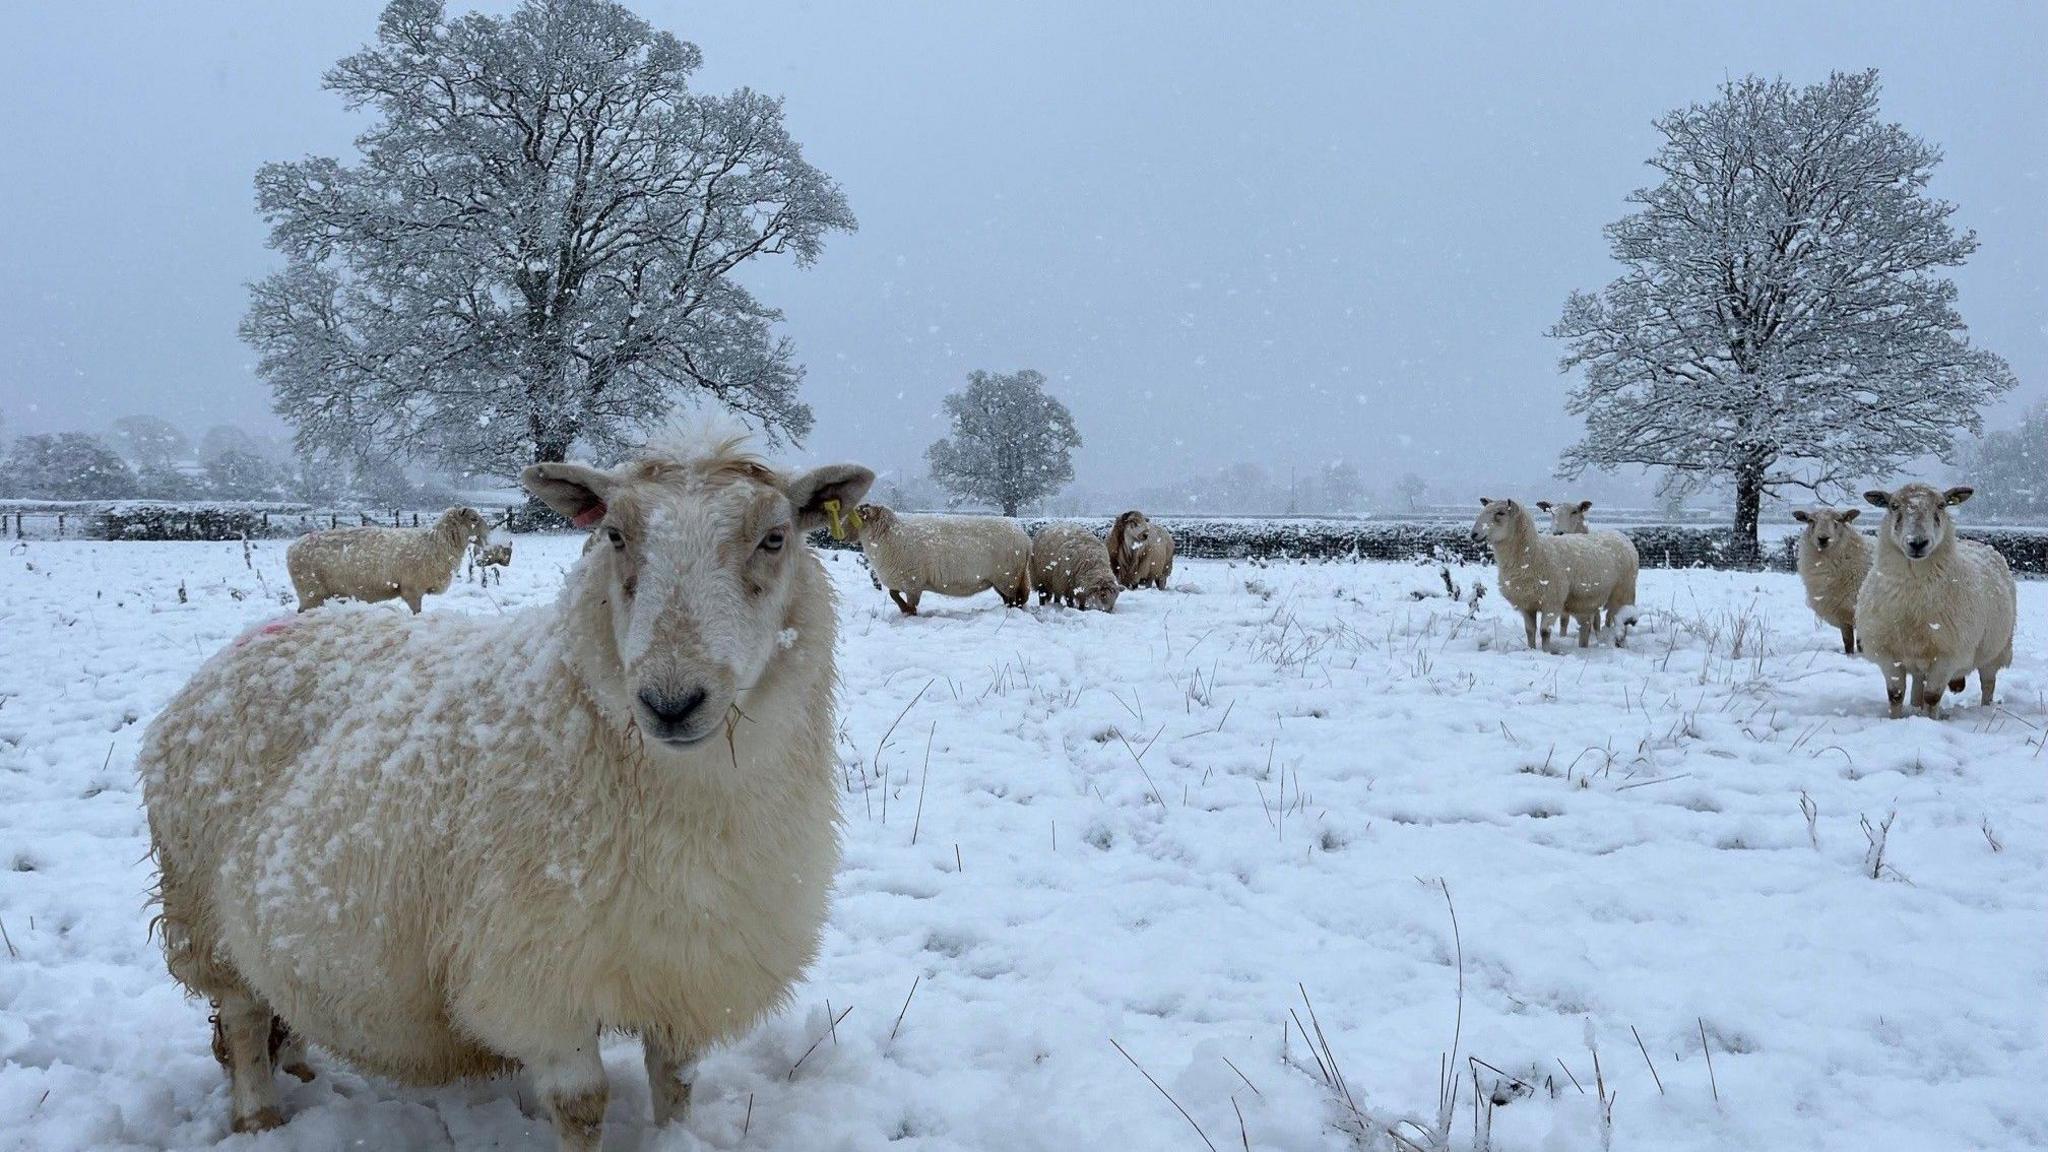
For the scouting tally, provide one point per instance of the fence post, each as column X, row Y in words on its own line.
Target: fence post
column 60, row 525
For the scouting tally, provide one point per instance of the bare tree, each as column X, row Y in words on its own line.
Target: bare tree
column 537, row 246
column 2009, row 468
column 1011, row 443
column 1412, row 488
column 1780, row 321
column 150, row 442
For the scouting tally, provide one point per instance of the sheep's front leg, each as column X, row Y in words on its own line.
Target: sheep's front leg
column 903, row 605
column 1586, row 629
column 571, row 1086
column 1895, row 688
column 1987, row 681
column 1849, row 638
column 242, row 1044
column 1529, row 627
column 671, row 1071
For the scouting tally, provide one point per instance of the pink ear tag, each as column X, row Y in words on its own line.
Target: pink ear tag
column 588, row 516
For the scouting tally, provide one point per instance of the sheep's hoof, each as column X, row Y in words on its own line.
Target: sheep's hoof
column 1958, row 684
column 300, row 1071
column 262, row 1121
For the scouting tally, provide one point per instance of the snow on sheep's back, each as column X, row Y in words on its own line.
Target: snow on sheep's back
column 1149, row 828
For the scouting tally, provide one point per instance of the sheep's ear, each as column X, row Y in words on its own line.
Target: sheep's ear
column 1850, row 514
column 1800, row 514
column 1485, row 503
column 1879, row 497
column 842, row 484
column 577, row 491
column 1584, row 505
column 1957, row 495
column 1543, row 504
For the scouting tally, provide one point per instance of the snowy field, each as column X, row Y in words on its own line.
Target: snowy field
column 1157, row 830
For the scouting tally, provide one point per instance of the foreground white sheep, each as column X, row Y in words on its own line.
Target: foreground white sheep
column 1933, row 606
column 1547, row 576
column 372, row 564
column 449, row 846
column 1833, row 560
column 1069, row 563
column 1140, row 552
column 950, row 555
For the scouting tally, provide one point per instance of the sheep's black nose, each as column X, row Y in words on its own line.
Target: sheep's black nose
column 673, row 711
column 1917, row 546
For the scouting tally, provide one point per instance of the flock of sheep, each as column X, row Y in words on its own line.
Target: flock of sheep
column 966, row 555
column 1931, row 607
column 449, row 845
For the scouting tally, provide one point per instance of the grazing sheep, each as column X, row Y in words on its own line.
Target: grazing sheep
column 1140, row 552
column 950, row 555
column 1549, row 576
column 1069, row 564
column 1568, row 518
column 373, row 564
column 1933, row 606
column 450, row 846
column 1833, row 559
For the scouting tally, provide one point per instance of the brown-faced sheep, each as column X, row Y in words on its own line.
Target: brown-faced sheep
column 1140, row 551
column 950, row 555
column 1069, row 564
column 1833, row 560
column 1547, row 576
column 1933, row 606
column 1568, row 518
column 450, row 846
column 373, row 564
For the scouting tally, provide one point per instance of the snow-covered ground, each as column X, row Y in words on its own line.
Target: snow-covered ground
column 1174, row 830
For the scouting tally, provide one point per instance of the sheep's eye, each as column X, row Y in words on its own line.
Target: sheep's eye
column 613, row 535
column 773, row 541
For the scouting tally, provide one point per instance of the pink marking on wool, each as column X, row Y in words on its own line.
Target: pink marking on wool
column 270, row 629
column 588, row 516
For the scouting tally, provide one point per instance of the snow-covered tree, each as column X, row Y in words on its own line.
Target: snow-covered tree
column 1343, row 487
column 1011, row 443
column 536, row 247
column 1781, row 320
column 150, row 442
column 2009, row 468
column 67, row 466
column 239, row 474
column 1411, row 488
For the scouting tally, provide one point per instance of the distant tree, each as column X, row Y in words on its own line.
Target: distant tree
column 1780, row 320
column 222, row 439
column 150, row 442
column 1411, row 488
column 165, row 482
column 239, row 474
column 537, row 247
column 2009, row 468
column 1343, row 487
column 68, row 466
column 314, row 479
column 1011, row 444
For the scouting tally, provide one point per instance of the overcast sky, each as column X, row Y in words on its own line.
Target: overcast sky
column 1282, row 233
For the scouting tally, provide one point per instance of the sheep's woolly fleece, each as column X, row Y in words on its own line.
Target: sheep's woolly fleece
column 1148, row 833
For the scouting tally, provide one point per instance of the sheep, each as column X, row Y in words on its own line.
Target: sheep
column 950, row 555
column 373, row 564
column 488, row 558
column 450, row 846
column 1933, row 606
column 1140, row 552
column 1547, row 576
column 1568, row 518
column 1833, row 559
column 1070, row 564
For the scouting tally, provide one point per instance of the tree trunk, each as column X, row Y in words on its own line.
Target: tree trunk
column 1010, row 508
column 1749, row 494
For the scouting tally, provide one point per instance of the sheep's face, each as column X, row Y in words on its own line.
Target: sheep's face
column 1568, row 518
column 1916, row 520
column 1497, row 520
column 875, row 519
column 696, row 563
column 1100, row 595
column 1825, row 527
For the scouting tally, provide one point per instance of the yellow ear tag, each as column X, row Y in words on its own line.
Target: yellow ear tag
column 832, row 516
